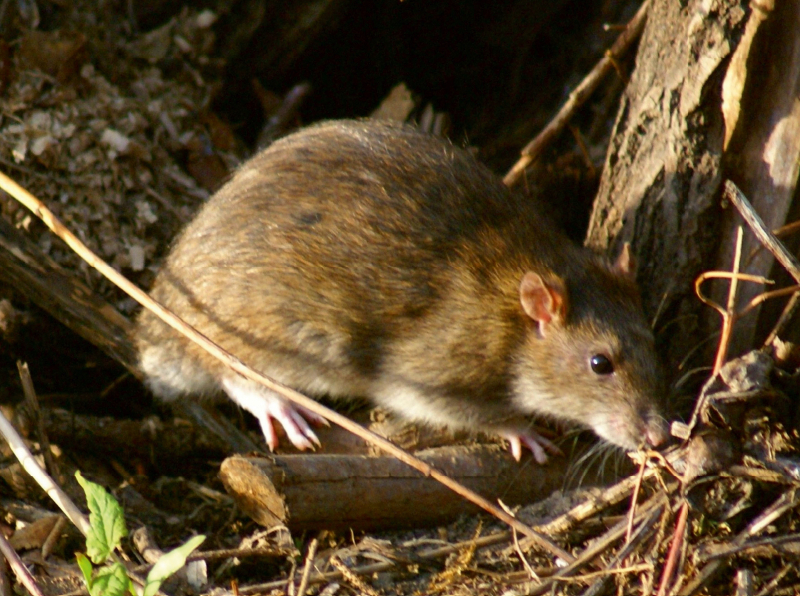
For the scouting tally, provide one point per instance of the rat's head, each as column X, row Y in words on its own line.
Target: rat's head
column 589, row 355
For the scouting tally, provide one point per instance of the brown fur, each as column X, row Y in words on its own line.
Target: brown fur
column 356, row 258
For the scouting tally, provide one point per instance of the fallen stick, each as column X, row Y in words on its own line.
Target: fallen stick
column 376, row 493
column 60, row 293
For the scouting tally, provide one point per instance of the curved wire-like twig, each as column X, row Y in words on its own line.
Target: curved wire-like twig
column 724, row 275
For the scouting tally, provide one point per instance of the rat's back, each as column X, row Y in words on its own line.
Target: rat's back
column 323, row 248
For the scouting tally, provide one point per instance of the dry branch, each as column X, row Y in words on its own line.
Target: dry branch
column 63, row 295
column 762, row 233
column 362, row 492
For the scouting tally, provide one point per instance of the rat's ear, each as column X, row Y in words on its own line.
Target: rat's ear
column 543, row 301
column 625, row 264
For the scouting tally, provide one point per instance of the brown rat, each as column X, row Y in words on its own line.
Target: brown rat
column 364, row 258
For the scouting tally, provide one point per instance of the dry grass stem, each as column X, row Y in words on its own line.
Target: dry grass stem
column 32, row 467
column 531, row 573
column 33, row 405
column 634, row 498
column 20, row 570
column 729, row 319
column 312, row 552
column 767, row 238
column 352, row 578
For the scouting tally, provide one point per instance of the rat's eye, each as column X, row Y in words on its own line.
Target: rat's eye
column 601, row 364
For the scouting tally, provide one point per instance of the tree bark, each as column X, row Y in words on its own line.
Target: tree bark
column 660, row 185
column 762, row 144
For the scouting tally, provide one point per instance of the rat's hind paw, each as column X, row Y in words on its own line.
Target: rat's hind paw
column 533, row 441
column 293, row 422
column 267, row 406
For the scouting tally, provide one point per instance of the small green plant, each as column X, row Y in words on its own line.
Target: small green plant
column 107, row 530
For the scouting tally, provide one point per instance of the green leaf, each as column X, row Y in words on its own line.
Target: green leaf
column 106, row 520
column 169, row 564
column 86, row 568
column 111, row 581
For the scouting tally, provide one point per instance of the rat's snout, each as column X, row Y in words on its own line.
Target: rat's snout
column 656, row 432
column 632, row 429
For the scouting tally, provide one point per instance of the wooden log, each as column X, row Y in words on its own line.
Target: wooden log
column 165, row 442
column 660, row 184
column 64, row 296
column 370, row 493
column 762, row 144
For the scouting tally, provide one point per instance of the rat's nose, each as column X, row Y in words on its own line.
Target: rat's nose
column 656, row 432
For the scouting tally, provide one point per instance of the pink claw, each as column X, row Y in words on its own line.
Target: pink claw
column 533, row 441
column 297, row 429
column 269, row 407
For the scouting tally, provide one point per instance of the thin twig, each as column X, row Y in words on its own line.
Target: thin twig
column 6, row 588
column 351, row 577
column 787, row 229
column 727, row 550
column 729, row 319
column 744, row 582
column 634, row 498
column 605, row 573
column 53, row 537
column 781, row 232
column 767, row 238
column 674, row 549
column 33, row 404
column 312, row 552
column 20, row 570
column 531, row 573
column 579, row 95
column 770, row 586
column 786, row 315
column 36, row 472
column 52, row 222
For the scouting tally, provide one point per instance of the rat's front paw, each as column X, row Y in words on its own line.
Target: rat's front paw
column 533, row 441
